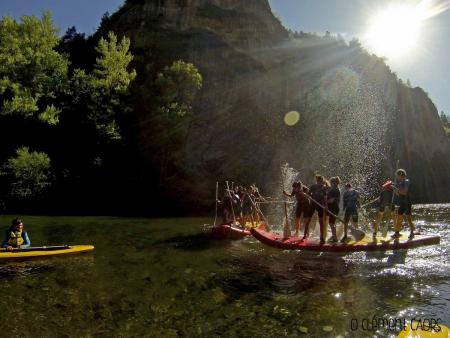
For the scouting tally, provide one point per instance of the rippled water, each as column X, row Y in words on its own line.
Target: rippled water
column 165, row 278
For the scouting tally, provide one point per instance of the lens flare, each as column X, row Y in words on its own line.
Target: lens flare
column 292, row 118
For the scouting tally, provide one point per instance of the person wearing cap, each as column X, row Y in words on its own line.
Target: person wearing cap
column 16, row 237
column 402, row 191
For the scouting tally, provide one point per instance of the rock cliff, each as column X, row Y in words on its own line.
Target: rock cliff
column 356, row 117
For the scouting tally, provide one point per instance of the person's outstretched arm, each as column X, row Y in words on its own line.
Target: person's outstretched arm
column 26, row 241
column 288, row 195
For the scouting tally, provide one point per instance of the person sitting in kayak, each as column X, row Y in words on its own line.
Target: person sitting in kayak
column 317, row 193
column 16, row 237
column 333, row 199
column 351, row 204
column 385, row 201
column 299, row 191
column 402, row 191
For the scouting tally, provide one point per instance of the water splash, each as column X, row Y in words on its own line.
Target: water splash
column 349, row 140
column 275, row 212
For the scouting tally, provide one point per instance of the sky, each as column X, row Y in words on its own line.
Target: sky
column 427, row 66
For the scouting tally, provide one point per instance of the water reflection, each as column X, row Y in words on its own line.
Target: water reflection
column 22, row 270
column 164, row 278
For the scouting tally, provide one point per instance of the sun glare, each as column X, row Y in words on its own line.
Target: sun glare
column 395, row 31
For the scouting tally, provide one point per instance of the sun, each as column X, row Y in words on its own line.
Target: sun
column 395, row 31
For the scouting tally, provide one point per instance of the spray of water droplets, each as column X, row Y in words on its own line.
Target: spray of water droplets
column 345, row 130
column 344, row 133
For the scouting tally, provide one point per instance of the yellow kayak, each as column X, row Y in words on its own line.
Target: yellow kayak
column 42, row 252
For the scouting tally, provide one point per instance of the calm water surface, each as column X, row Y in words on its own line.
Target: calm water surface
column 165, row 278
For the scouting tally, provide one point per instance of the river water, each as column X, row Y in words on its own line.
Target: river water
column 166, row 278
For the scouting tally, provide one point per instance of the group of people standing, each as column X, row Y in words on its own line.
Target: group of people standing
column 324, row 198
column 241, row 205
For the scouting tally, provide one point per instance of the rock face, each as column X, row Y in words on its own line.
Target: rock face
column 356, row 118
column 421, row 144
column 243, row 24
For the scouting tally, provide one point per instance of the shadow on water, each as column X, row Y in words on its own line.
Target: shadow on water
column 23, row 270
column 44, row 265
column 194, row 242
column 396, row 257
column 281, row 275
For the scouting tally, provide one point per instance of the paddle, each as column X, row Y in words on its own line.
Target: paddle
column 276, row 202
column 287, row 227
column 255, row 205
column 217, row 199
column 356, row 233
column 369, row 203
column 231, row 203
column 38, row 248
column 386, row 224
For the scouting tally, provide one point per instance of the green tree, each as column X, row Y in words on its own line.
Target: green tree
column 178, row 85
column 176, row 88
column 32, row 72
column 29, row 171
column 105, row 89
column 445, row 120
column 445, row 123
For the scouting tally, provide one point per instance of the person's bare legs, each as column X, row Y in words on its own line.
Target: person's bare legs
column 378, row 222
column 398, row 223
column 333, row 232
column 306, row 233
column 297, row 226
column 344, row 238
column 397, row 226
column 252, row 220
column 321, row 224
column 411, row 226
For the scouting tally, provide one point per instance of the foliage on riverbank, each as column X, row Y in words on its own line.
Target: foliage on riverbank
column 69, row 100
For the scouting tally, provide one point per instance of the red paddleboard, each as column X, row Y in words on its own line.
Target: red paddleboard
column 366, row 244
column 230, row 231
